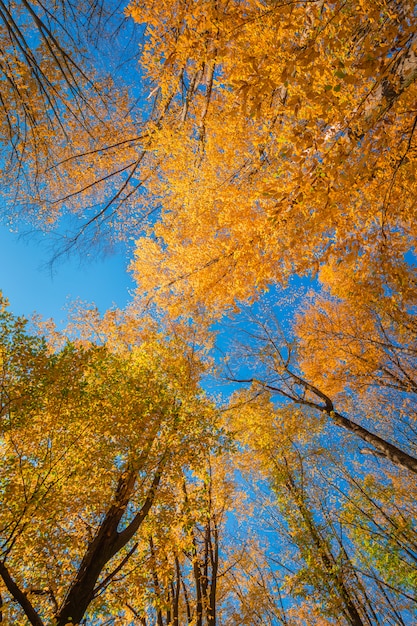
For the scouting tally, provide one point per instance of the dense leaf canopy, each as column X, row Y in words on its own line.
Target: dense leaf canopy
column 271, row 142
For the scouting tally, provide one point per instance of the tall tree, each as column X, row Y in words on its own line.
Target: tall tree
column 92, row 440
column 274, row 365
column 335, row 524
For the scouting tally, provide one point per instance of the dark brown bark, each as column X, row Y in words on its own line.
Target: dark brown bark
column 214, row 556
column 196, row 572
column 204, row 570
column 198, row 590
column 117, row 569
column 20, row 596
column 156, row 585
column 168, row 612
column 187, row 602
column 105, row 545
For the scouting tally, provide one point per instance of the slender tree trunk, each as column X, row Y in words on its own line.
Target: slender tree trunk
column 156, row 585
column 20, row 596
column 396, row 455
column 325, row 555
column 168, row 612
column 388, row 450
column 198, row 591
column 176, row 594
column 211, row 609
column 187, row 603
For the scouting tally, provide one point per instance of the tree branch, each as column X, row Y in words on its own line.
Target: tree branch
column 20, row 596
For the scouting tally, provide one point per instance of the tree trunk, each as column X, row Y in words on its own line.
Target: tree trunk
column 390, row 451
column 105, row 545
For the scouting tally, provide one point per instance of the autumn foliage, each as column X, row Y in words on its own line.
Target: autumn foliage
column 268, row 178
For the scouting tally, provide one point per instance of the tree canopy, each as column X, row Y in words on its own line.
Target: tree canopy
column 271, row 143
column 295, row 126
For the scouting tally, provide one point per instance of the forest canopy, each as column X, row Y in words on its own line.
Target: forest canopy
column 272, row 146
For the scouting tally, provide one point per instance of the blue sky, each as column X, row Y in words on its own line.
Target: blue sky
column 26, row 276
column 30, row 284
